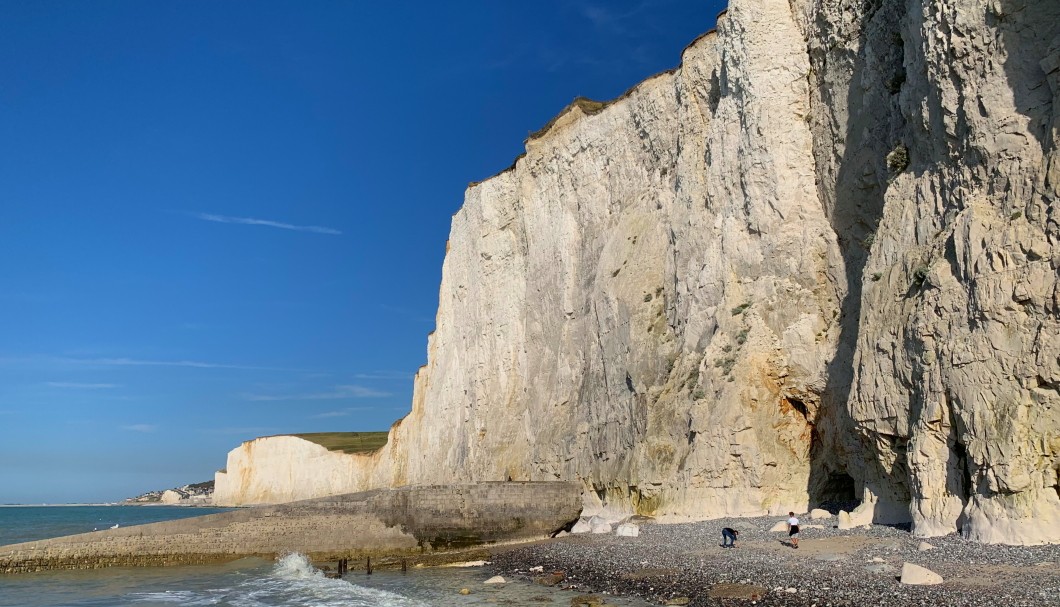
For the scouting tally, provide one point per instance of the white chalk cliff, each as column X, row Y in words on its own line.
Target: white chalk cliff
column 816, row 261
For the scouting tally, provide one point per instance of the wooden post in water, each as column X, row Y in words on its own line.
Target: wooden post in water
column 369, row 566
column 404, row 566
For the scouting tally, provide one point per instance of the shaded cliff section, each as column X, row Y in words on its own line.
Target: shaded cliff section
column 816, row 262
column 937, row 141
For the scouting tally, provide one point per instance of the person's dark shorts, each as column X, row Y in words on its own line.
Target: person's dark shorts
column 794, row 531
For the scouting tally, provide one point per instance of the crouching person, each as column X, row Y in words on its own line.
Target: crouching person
column 728, row 537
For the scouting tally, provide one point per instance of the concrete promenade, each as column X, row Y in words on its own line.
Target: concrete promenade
column 408, row 521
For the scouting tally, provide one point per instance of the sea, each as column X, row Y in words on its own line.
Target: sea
column 291, row 580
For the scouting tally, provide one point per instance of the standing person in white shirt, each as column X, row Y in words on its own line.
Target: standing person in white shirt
column 793, row 530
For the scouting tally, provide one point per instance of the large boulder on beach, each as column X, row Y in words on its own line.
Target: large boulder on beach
column 915, row 575
column 582, row 526
column 627, row 530
column 853, row 520
column 820, row 514
column 780, row 526
column 599, row 525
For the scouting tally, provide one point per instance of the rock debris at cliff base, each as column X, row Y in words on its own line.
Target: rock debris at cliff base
column 831, row 567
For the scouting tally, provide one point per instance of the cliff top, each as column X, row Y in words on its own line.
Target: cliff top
column 347, row 442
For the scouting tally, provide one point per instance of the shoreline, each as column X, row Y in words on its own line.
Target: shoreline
column 113, row 504
column 674, row 562
column 402, row 523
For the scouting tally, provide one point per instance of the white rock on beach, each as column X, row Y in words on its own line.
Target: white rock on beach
column 601, row 527
column 497, row 579
column 780, row 526
column 853, row 520
column 818, row 514
column 627, row 530
column 924, row 546
column 582, row 526
column 915, row 575
column 600, row 524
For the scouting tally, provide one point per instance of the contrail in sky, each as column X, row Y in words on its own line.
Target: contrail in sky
column 251, row 221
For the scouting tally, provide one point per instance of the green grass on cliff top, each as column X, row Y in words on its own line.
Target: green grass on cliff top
column 347, row 442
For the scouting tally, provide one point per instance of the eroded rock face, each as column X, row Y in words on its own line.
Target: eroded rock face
column 816, row 261
column 946, row 188
column 646, row 301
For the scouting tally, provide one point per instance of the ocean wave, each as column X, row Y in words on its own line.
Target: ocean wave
column 292, row 582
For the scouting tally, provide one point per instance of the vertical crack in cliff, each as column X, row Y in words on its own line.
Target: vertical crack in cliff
column 855, row 92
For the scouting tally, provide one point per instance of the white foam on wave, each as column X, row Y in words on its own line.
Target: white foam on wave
column 293, row 582
column 180, row 597
column 305, row 585
column 295, row 565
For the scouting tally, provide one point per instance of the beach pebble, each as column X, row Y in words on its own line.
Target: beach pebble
column 668, row 561
column 924, row 546
column 497, row 579
column 681, row 600
column 465, row 591
column 791, row 590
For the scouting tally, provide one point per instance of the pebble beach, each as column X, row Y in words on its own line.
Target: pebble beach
column 685, row 564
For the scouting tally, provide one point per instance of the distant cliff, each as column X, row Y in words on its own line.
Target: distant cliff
column 818, row 261
column 277, row 469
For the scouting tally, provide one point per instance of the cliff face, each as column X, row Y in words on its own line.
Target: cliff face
column 939, row 153
column 277, row 469
column 643, row 302
column 816, row 261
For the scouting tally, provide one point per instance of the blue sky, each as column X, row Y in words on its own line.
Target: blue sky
column 224, row 220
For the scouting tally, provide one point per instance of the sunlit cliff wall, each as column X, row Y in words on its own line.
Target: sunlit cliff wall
column 816, row 261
